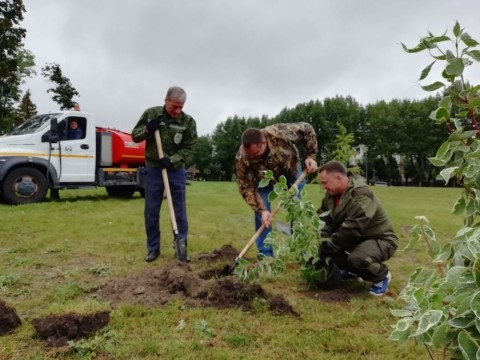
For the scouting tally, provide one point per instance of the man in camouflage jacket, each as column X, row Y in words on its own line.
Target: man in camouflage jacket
column 357, row 234
column 178, row 133
column 272, row 148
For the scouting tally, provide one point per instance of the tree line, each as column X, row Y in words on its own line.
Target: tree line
column 393, row 139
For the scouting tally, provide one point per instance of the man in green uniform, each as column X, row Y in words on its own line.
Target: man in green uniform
column 178, row 132
column 272, row 148
column 358, row 234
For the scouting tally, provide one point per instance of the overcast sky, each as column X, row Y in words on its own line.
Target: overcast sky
column 245, row 57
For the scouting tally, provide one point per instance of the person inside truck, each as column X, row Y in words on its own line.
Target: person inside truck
column 74, row 131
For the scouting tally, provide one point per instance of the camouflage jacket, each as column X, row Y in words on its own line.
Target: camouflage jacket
column 281, row 157
column 178, row 136
column 358, row 216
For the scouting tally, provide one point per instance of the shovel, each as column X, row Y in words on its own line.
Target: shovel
column 228, row 269
column 179, row 244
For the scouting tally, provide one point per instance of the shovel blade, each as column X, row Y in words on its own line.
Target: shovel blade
column 228, row 269
column 180, row 249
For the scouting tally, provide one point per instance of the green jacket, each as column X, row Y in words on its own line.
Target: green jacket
column 178, row 136
column 359, row 216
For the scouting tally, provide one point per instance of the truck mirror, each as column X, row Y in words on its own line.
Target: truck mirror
column 53, row 131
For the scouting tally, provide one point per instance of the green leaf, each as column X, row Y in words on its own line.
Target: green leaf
column 418, row 48
column 439, row 335
column 442, row 113
column 468, row 345
column 463, row 321
column 456, row 29
column 283, row 181
column 447, row 173
column 468, row 40
column 455, row 67
column 434, row 86
column 474, row 54
column 263, row 183
column 428, row 320
column 458, row 136
column 401, row 313
column 426, row 71
column 459, row 206
column 438, row 39
column 475, row 304
column 444, row 254
column 272, row 195
column 402, row 331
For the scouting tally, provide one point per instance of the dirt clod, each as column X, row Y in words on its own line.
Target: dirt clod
column 58, row 329
column 226, row 252
column 9, row 319
column 280, row 306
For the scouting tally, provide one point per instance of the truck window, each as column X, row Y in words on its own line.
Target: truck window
column 75, row 128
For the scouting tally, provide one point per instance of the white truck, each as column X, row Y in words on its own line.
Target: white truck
column 40, row 155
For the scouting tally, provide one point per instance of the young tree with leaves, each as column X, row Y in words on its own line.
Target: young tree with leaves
column 63, row 91
column 441, row 303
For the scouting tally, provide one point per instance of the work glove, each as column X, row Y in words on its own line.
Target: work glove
column 165, row 163
column 153, row 125
column 327, row 249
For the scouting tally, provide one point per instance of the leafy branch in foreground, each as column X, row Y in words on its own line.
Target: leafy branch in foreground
column 441, row 306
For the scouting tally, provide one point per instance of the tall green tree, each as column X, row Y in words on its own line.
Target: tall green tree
column 64, row 90
column 15, row 61
column 226, row 139
column 202, row 155
column 26, row 109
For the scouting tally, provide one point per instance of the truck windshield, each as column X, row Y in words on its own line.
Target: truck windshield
column 32, row 125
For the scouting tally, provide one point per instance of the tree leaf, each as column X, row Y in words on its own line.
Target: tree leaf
column 455, row 67
column 439, row 335
column 263, row 183
column 468, row 40
column 434, row 86
column 474, row 54
column 475, row 304
column 458, row 136
column 429, row 319
column 418, row 48
column 468, row 345
column 459, row 206
column 456, row 29
column 426, row 71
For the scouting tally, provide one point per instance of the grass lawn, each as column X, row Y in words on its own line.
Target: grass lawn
column 55, row 255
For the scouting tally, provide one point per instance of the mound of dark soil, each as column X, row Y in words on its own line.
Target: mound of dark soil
column 177, row 281
column 226, row 252
column 9, row 319
column 279, row 306
column 58, row 329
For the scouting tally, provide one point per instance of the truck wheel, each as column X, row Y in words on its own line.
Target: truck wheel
column 24, row 186
column 120, row 191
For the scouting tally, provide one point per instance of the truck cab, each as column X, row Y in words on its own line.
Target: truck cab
column 66, row 150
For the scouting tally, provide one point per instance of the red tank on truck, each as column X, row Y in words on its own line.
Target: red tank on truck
column 43, row 153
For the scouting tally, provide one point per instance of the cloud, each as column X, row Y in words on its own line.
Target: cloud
column 246, row 58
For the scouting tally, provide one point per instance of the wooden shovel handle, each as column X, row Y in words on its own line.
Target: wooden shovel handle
column 158, row 140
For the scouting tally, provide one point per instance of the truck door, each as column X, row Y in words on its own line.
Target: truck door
column 76, row 150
